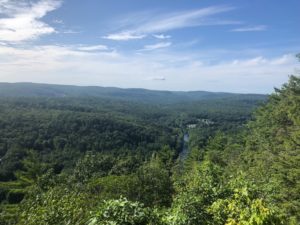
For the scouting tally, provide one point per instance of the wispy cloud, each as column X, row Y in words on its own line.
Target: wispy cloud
column 21, row 20
column 124, row 36
column 250, row 28
column 185, row 19
column 93, row 48
column 172, row 21
column 161, row 36
column 156, row 46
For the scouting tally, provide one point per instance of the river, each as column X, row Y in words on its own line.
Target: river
column 185, row 147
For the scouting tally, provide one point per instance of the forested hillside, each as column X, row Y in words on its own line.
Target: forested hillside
column 130, row 94
column 103, row 160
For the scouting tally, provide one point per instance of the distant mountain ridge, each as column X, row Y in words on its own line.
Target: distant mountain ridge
column 131, row 94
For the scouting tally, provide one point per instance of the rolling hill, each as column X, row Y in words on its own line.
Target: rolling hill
column 131, row 94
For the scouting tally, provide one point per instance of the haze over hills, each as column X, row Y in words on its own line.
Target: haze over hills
column 130, row 94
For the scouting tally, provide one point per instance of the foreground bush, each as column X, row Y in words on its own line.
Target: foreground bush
column 123, row 212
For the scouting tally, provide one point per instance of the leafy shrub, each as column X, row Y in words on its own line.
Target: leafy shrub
column 123, row 212
column 56, row 206
column 242, row 210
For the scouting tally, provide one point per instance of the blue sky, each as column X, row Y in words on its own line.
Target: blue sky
column 232, row 46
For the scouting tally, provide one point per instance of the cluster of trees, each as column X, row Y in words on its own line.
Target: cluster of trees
column 264, row 158
column 72, row 161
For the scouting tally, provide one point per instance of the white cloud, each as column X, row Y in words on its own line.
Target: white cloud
column 156, row 46
column 184, row 19
column 124, row 36
column 171, row 21
column 22, row 20
column 250, row 28
column 250, row 62
column 180, row 71
column 93, row 48
column 283, row 60
column 161, row 36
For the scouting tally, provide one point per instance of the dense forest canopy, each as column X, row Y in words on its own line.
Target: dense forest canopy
column 61, row 129
column 110, row 157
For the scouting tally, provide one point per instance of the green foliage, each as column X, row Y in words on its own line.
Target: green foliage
column 14, row 191
column 200, row 187
column 243, row 206
column 123, row 212
column 112, row 187
column 9, row 214
column 56, row 206
column 92, row 164
column 153, row 184
column 274, row 147
column 241, row 209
